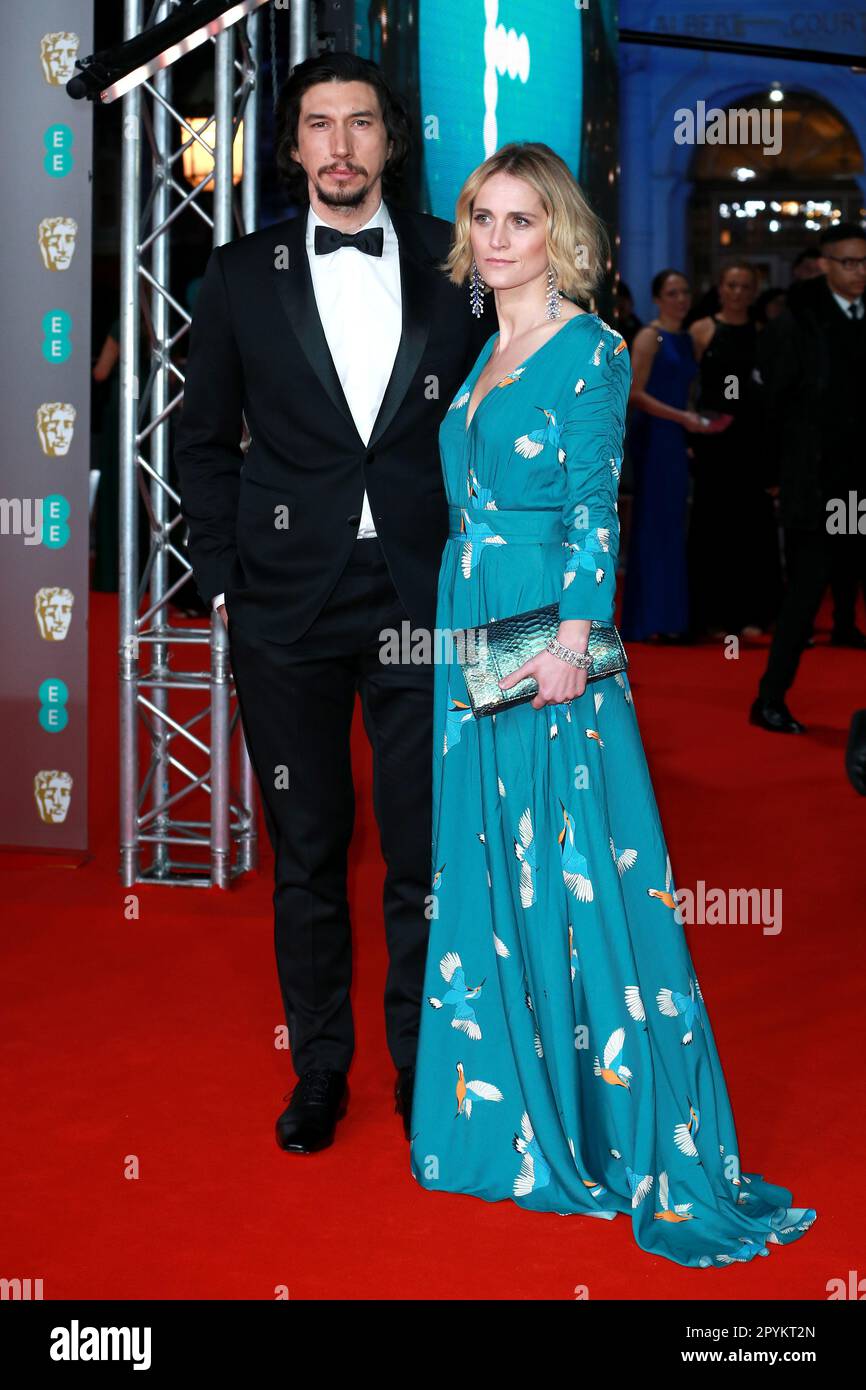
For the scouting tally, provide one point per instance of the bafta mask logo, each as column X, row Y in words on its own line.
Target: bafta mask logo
column 57, row 242
column 53, row 792
column 55, row 423
column 53, row 613
column 58, row 53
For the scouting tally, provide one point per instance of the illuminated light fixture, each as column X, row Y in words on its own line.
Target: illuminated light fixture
column 113, row 72
column 790, row 208
column 198, row 162
column 725, row 237
column 741, row 174
column 774, row 225
column 775, row 93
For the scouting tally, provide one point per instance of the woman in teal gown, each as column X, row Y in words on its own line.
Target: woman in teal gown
column 566, row 1060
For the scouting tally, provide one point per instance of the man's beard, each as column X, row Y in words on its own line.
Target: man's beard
column 342, row 197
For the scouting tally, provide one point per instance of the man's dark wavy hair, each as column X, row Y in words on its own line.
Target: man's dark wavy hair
column 336, row 67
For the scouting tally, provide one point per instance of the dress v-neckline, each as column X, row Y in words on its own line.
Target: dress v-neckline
column 470, row 419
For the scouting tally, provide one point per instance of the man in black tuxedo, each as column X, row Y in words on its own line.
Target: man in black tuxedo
column 812, row 368
column 341, row 341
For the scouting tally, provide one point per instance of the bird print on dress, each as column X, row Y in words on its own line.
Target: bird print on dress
column 554, row 714
column 583, row 556
column 479, row 496
column 634, row 1004
column 572, row 954
column 623, row 859
column 534, row 1170
column 469, row 1091
column 524, row 849
column 665, row 896
column 786, row 1224
column 673, row 1004
column 536, row 1038
column 531, row 444
column 639, row 1185
column 512, row 377
column 574, row 865
column 685, row 1133
column 680, row 1212
column 457, row 714
column 477, row 533
column 458, row 995
column 611, row 1069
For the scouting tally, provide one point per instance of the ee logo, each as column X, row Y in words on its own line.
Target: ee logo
column 56, row 346
column 55, row 513
column 53, row 695
column 58, row 159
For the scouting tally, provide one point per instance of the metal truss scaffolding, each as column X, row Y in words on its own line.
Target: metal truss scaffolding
column 181, row 740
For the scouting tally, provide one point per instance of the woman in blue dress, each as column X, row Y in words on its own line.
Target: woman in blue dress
column 656, row 598
column 565, row 1060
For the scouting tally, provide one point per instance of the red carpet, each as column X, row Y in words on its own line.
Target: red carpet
column 150, row 1042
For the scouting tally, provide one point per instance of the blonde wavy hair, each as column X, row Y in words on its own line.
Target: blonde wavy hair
column 577, row 243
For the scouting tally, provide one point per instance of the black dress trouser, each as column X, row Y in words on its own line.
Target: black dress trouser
column 811, row 559
column 297, row 701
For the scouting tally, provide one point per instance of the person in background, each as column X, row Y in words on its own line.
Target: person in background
column 807, row 265
column 624, row 316
column 656, row 599
column 812, row 366
column 729, row 499
column 768, row 305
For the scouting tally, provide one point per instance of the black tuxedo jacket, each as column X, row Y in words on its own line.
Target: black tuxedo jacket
column 810, row 362
column 257, row 348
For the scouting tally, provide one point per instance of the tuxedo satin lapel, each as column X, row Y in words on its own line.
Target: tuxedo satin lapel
column 417, row 286
column 294, row 287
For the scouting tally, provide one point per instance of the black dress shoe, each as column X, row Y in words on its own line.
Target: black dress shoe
column 318, row 1101
column 848, row 638
column 855, row 752
column 404, row 1089
column 777, row 718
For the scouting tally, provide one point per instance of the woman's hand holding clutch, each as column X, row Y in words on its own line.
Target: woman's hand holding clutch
column 558, row 682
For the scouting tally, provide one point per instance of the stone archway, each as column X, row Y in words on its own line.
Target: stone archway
column 746, row 204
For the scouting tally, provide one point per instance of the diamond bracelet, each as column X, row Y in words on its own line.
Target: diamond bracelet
column 582, row 660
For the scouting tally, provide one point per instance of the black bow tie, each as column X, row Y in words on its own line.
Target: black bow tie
column 371, row 240
column 854, row 308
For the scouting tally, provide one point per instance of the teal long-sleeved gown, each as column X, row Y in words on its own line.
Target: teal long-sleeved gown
column 565, row 1059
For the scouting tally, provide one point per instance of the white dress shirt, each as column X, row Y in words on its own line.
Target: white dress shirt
column 845, row 305
column 359, row 302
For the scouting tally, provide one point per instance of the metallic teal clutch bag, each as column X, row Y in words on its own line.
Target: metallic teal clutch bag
column 487, row 654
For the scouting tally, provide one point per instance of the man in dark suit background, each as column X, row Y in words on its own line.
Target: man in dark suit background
column 340, row 340
column 812, row 366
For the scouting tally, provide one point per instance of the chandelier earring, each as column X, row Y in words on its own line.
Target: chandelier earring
column 554, row 307
column 476, row 291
